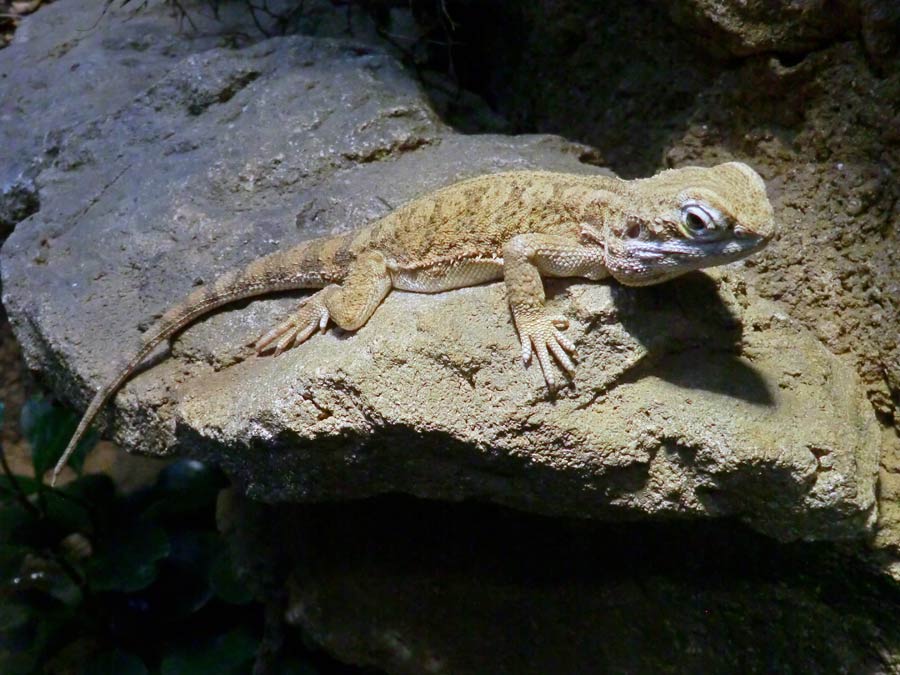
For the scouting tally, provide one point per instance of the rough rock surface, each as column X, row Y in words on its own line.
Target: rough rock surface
column 687, row 403
column 789, row 27
column 414, row 587
column 717, row 395
column 755, row 26
column 679, row 410
column 823, row 128
column 71, row 63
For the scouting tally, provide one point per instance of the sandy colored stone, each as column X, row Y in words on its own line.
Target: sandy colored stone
column 687, row 404
column 681, row 409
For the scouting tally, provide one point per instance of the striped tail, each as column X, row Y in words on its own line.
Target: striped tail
column 293, row 269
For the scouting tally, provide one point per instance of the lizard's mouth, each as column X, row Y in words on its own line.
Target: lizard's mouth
column 729, row 249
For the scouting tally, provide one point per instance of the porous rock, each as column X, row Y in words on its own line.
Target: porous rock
column 692, row 399
column 744, row 27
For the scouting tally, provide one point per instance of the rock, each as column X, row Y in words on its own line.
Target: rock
column 880, row 32
column 70, row 64
column 678, row 411
column 412, row 587
column 742, row 27
column 693, row 399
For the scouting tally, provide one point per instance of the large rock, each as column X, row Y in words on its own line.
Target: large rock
column 414, row 588
column 677, row 411
column 693, row 399
column 743, row 27
column 71, row 63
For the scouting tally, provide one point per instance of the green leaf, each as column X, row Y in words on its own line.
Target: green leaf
column 97, row 490
column 52, row 581
column 114, row 662
column 48, row 428
column 183, row 487
column 226, row 583
column 11, row 557
column 13, row 615
column 229, row 653
column 127, row 562
column 15, row 522
column 17, row 664
column 27, row 484
column 67, row 515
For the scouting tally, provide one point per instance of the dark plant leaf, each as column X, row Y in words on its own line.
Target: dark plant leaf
column 27, row 484
column 293, row 665
column 48, row 428
column 128, row 561
column 47, row 577
column 114, row 662
column 15, row 521
column 225, row 581
column 17, row 664
column 227, row 654
column 183, row 586
column 183, row 487
column 13, row 615
column 67, row 514
column 11, row 556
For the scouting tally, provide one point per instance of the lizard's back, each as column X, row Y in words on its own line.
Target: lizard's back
column 477, row 216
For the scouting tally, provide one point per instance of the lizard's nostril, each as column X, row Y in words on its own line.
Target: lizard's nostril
column 633, row 231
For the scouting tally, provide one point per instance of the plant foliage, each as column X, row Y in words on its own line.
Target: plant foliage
column 95, row 581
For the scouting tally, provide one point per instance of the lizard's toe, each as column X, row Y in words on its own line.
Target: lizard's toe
column 541, row 337
column 296, row 329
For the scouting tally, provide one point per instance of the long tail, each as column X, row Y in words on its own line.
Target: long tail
column 293, row 269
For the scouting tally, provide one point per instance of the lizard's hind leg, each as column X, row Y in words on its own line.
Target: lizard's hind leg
column 311, row 315
column 349, row 305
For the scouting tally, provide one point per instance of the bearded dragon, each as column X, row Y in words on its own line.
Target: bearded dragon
column 517, row 226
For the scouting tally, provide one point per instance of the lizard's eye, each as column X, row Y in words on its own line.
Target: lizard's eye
column 697, row 221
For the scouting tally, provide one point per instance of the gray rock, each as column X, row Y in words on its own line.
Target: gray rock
column 741, row 28
column 419, row 588
column 70, row 64
column 693, row 399
column 754, row 26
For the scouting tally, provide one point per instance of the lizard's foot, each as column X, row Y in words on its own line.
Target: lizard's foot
column 540, row 335
column 312, row 315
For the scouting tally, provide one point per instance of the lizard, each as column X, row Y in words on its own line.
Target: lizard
column 518, row 226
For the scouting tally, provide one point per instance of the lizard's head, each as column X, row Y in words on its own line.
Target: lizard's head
column 686, row 219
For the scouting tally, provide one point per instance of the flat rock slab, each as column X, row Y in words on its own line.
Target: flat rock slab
column 692, row 399
column 675, row 412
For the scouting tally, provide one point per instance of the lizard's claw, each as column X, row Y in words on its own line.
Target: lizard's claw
column 540, row 335
column 312, row 315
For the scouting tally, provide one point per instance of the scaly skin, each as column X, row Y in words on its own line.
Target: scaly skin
column 518, row 226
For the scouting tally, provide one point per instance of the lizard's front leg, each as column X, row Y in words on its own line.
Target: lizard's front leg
column 525, row 258
column 349, row 304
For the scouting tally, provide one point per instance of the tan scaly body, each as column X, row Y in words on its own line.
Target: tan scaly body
column 517, row 226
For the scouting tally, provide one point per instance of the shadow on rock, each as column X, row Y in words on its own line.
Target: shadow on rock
column 410, row 586
column 693, row 338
